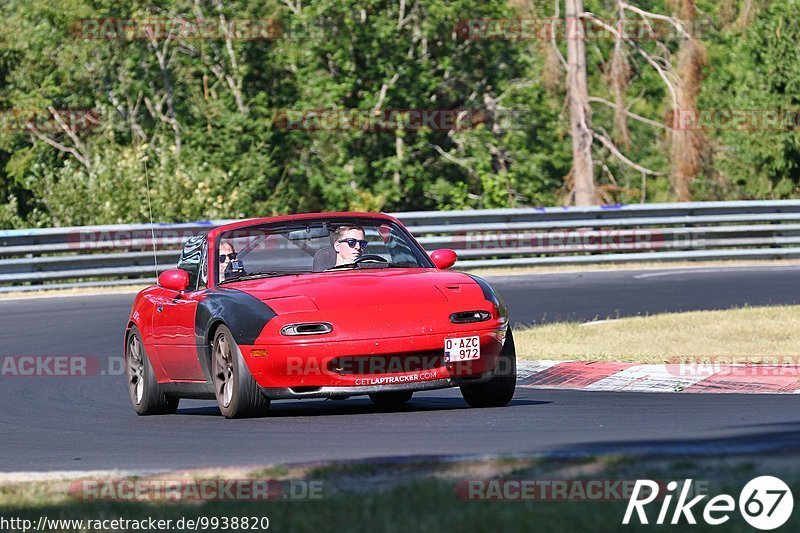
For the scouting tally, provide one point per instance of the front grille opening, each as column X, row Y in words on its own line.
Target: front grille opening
column 396, row 363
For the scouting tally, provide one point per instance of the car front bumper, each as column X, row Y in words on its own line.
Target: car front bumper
column 313, row 369
column 299, row 393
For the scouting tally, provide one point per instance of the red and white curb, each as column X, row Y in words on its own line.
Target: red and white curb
column 671, row 377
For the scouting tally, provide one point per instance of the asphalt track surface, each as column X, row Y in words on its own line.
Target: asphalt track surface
column 86, row 423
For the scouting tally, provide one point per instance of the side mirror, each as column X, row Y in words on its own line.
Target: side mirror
column 174, row 279
column 444, row 258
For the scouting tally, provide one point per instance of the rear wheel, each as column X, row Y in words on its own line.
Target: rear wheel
column 499, row 390
column 146, row 395
column 237, row 393
column 389, row 399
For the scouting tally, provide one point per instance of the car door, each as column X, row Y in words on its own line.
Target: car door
column 174, row 318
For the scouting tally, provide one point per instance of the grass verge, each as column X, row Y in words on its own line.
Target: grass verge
column 748, row 334
column 422, row 495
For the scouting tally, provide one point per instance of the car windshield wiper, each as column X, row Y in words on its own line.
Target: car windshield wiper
column 366, row 266
column 359, row 266
column 256, row 275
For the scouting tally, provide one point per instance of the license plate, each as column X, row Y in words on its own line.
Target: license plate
column 462, row 349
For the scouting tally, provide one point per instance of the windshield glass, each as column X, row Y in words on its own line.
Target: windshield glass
column 316, row 246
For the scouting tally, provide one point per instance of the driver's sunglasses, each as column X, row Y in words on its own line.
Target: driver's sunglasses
column 352, row 243
column 232, row 256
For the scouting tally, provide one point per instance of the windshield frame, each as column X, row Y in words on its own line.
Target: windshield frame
column 416, row 249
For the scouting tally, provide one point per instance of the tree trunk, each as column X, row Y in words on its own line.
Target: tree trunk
column 689, row 147
column 580, row 118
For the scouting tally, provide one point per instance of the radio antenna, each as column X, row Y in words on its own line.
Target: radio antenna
column 150, row 211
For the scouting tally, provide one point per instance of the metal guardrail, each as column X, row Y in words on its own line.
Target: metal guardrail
column 35, row 259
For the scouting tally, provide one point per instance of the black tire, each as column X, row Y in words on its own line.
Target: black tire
column 499, row 390
column 238, row 394
column 143, row 389
column 390, row 399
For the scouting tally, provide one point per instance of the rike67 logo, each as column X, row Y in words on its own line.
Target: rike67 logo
column 766, row 503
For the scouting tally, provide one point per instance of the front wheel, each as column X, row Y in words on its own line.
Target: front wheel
column 237, row 393
column 499, row 390
column 146, row 395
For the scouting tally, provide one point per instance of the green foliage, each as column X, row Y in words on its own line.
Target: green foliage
column 199, row 121
column 759, row 70
column 211, row 152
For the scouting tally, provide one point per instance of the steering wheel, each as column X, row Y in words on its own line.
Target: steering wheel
column 373, row 258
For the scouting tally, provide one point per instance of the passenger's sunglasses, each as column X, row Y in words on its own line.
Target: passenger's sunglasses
column 352, row 243
column 232, row 256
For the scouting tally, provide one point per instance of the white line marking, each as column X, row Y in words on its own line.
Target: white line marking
column 647, row 378
column 131, row 292
column 710, row 271
column 526, row 369
column 68, row 475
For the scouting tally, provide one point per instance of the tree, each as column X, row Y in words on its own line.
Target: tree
column 751, row 101
column 201, row 113
column 580, row 114
column 681, row 83
column 689, row 148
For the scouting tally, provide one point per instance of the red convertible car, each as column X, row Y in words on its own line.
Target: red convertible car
column 315, row 306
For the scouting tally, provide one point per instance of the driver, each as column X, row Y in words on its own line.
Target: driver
column 229, row 267
column 349, row 244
